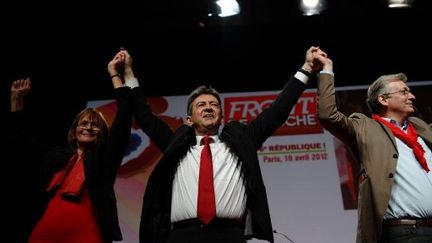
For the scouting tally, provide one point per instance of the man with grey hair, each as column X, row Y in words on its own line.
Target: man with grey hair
column 394, row 151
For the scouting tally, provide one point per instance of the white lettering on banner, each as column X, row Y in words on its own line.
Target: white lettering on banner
column 248, row 107
column 304, row 120
column 303, row 103
column 252, row 108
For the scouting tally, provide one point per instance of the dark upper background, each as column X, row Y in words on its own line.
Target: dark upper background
column 64, row 46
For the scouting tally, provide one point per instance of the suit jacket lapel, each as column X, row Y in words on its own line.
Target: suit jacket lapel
column 389, row 133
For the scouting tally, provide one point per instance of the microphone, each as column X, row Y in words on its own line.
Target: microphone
column 284, row 235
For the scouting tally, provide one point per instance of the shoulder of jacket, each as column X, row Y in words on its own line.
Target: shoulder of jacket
column 417, row 120
column 359, row 115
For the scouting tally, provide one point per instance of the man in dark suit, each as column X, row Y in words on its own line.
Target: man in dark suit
column 394, row 151
column 240, row 210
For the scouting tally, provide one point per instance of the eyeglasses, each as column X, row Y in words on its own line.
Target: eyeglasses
column 86, row 124
column 404, row 92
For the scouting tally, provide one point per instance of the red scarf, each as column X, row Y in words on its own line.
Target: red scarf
column 70, row 180
column 409, row 138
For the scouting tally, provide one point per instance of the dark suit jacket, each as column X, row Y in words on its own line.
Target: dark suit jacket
column 375, row 148
column 243, row 140
column 100, row 167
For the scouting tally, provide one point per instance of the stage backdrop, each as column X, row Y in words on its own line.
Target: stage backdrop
column 310, row 180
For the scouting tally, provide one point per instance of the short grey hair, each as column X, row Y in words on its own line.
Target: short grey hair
column 380, row 87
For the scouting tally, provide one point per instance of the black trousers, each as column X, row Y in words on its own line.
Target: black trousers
column 218, row 232
column 407, row 234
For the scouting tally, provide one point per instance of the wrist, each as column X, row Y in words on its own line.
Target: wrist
column 305, row 72
column 15, row 96
column 308, row 68
column 128, row 72
column 115, row 75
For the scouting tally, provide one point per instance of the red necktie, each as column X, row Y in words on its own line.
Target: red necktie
column 206, row 197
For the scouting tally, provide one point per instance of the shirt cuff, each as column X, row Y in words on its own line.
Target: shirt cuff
column 327, row 72
column 302, row 77
column 131, row 83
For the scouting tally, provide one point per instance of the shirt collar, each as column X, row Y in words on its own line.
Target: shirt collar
column 402, row 126
column 214, row 137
